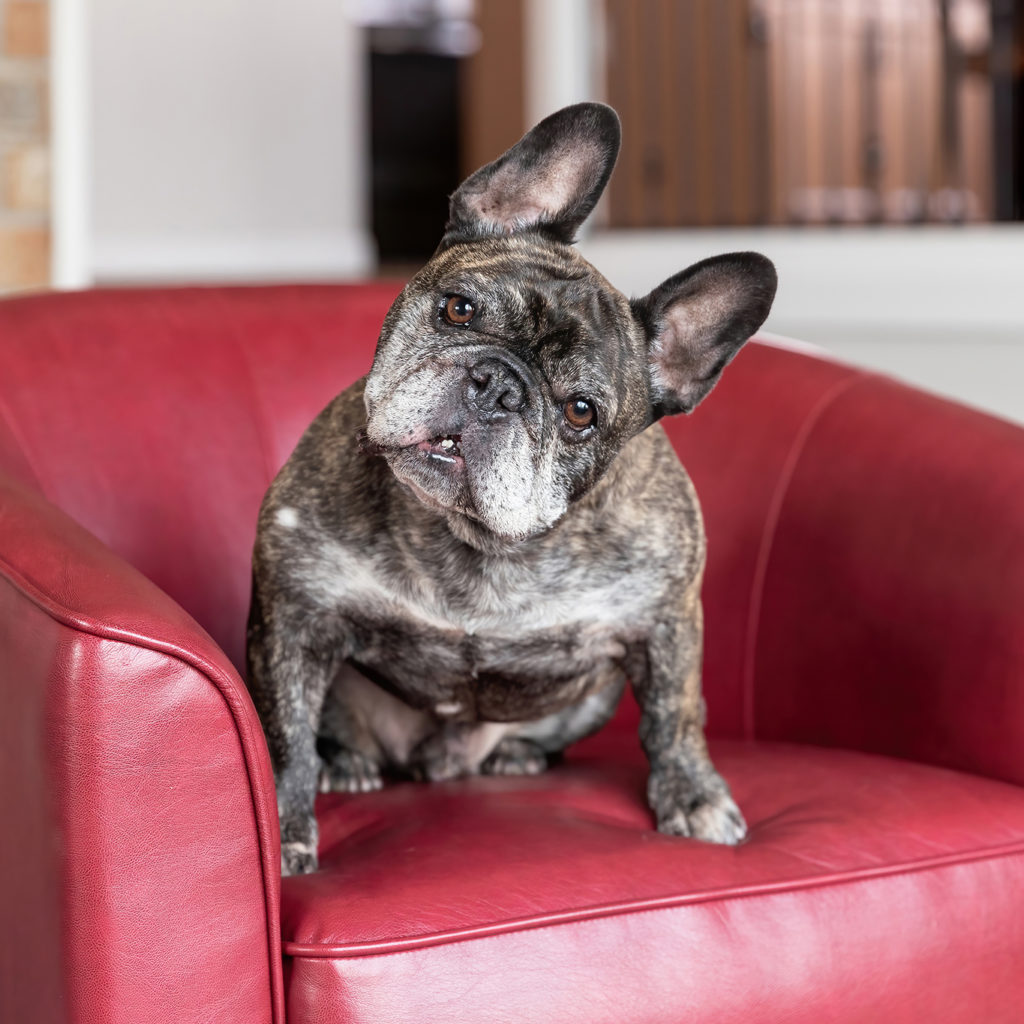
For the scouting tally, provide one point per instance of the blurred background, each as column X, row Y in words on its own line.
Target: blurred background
column 874, row 149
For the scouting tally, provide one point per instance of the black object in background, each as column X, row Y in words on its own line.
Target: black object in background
column 414, row 127
column 1008, row 103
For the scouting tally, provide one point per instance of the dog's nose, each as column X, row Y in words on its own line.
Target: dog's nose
column 495, row 389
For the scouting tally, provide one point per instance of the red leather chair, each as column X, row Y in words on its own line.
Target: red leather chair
column 864, row 676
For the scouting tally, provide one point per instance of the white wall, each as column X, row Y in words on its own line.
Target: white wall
column 940, row 307
column 226, row 140
column 558, row 72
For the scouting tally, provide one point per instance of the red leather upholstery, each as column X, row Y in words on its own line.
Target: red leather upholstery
column 140, row 802
column 866, row 573
column 870, row 889
column 903, row 565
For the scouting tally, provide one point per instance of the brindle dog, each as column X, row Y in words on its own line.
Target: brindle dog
column 472, row 548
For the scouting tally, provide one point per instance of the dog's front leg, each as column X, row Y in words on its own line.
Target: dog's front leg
column 687, row 795
column 290, row 670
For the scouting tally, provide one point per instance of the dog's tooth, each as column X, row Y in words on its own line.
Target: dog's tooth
column 447, row 443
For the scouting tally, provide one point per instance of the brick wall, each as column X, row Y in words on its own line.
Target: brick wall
column 24, row 145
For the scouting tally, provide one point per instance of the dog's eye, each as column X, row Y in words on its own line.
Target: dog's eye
column 579, row 413
column 459, row 310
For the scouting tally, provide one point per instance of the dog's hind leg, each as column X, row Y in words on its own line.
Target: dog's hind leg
column 350, row 756
column 554, row 733
column 362, row 729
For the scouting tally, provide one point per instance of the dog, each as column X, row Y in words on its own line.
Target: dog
column 474, row 547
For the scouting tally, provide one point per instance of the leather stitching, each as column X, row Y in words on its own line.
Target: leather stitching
column 569, row 917
column 19, row 439
column 771, row 523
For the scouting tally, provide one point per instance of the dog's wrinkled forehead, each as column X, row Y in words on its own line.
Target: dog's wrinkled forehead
column 539, row 298
column 549, row 285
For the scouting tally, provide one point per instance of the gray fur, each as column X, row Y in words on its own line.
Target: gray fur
column 438, row 611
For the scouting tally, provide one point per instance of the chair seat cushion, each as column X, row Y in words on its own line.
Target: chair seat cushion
column 868, row 889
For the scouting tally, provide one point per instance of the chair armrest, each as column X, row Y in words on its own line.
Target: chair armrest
column 140, row 852
column 891, row 613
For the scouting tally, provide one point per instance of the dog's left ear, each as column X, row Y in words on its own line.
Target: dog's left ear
column 549, row 180
column 697, row 321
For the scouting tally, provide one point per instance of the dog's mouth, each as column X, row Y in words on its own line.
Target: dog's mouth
column 445, row 449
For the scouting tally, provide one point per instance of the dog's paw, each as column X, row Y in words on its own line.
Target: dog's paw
column 300, row 836
column 514, row 756
column 442, row 756
column 715, row 820
column 438, row 766
column 298, row 858
column 350, row 772
column 708, row 813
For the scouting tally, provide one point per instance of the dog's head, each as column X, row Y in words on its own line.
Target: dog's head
column 509, row 372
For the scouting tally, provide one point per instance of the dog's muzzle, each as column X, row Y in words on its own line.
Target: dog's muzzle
column 495, row 389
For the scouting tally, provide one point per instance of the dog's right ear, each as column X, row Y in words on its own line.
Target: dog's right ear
column 548, row 181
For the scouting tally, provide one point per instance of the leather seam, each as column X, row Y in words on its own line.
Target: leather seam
column 782, row 484
column 34, row 593
column 23, row 447
column 394, row 947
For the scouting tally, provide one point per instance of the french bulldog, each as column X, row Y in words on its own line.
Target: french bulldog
column 474, row 547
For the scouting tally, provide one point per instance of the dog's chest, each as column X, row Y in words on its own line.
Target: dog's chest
column 500, row 649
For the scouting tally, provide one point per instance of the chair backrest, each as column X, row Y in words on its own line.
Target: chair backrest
column 158, row 417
